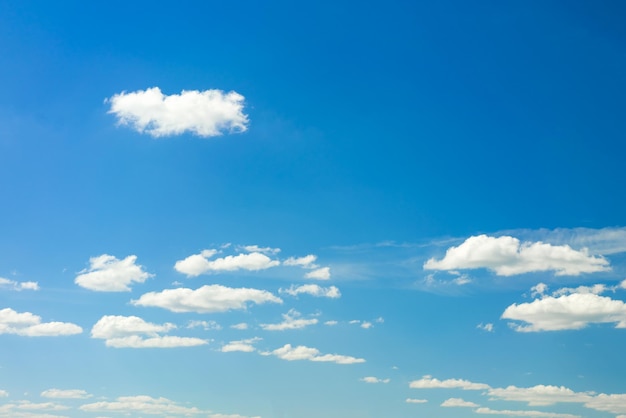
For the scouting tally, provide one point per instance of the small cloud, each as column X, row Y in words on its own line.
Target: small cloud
column 65, row 394
column 485, row 327
column 108, row 274
column 366, row 325
column 3, row 393
column 15, row 285
column 291, row 320
column 206, row 325
column 458, row 402
column 241, row 326
column 428, row 382
column 246, row 346
column 308, row 261
column 203, row 113
column 27, row 324
column 290, row 353
column 331, row 323
column 319, row 274
column 372, row 379
column 313, row 290
column 198, row 264
column 538, row 290
column 257, row 249
column 379, row 320
column 412, row 400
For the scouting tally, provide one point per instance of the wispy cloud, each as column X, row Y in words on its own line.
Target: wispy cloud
column 313, row 290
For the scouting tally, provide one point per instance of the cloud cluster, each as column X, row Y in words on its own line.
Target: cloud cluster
column 29, row 325
column 290, row 353
column 134, row 332
column 507, row 256
column 202, row 113
column 15, row 285
column 198, row 264
column 206, row 299
column 108, row 274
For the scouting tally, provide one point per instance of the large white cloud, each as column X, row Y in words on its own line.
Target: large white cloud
column 202, row 113
column 206, row 299
column 15, row 285
column 313, row 290
column 573, row 311
column 291, row 320
column 108, row 274
column 507, row 256
column 290, row 353
column 29, row 325
column 65, row 394
column 429, row 382
column 134, row 332
column 197, row 264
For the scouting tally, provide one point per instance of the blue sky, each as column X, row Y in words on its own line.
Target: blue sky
column 328, row 209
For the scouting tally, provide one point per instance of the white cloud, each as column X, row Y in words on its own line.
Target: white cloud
column 539, row 289
column 458, row 402
column 319, row 274
column 29, row 325
column 247, row 346
column 539, row 414
column 257, row 249
column 240, row 326
column 413, row 400
column 366, row 325
column 206, row 325
column 308, row 261
column 3, row 393
column 206, row 299
column 372, row 379
column 15, row 285
column 313, row 290
column 428, row 382
column 539, row 395
column 108, row 274
column 507, row 256
column 202, row 113
column 142, row 404
column 596, row 289
column 291, row 320
column 197, row 264
column 574, row 311
column 331, row 323
column 485, row 327
column 134, row 332
column 289, row 353
column 65, row 394
column 615, row 404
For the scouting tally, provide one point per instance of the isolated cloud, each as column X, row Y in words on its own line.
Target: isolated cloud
column 308, row 261
column 289, row 353
column 29, row 325
column 197, row 264
column 573, row 311
column 458, row 402
column 507, row 256
column 428, row 382
column 319, row 274
column 15, row 285
column 485, row 327
column 65, row 394
column 206, row 325
column 206, row 299
column 372, row 379
column 538, row 414
column 240, row 326
column 3, row 393
column 142, row 404
column 247, row 346
column 108, row 274
column 134, row 332
column 313, row 290
column 291, row 320
column 202, row 113
column 413, row 400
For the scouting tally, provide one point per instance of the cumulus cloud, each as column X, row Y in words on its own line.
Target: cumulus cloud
column 134, row 332
column 507, row 256
column 428, row 382
column 313, row 290
column 458, row 402
column 240, row 326
column 202, row 113
column 247, row 346
column 257, row 249
column 291, row 320
column 206, row 299
column 289, row 353
column 573, row 311
column 15, row 285
column 413, row 400
column 331, row 323
column 539, row 414
column 142, row 404
column 29, row 325
column 539, row 395
column 197, row 264
column 65, row 394
column 372, row 379
column 206, row 325
column 308, row 261
column 108, row 274
column 319, row 274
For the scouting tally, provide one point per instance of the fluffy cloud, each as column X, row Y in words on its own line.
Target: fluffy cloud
column 197, row 264
column 319, row 274
column 65, row 394
column 142, row 404
column 108, row 274
column 206, row 299
column 313, row 290
column 507, row 256
column 289, row 353
column 428, row 382
column 615, row 404
column 291, row 320
column 573, row 311
column 458, row 402
column 14, row 285
column 134, row 332
column 29, row 325
column 202, row 113
column 372, row 379
column 242, row 345
column 413, row 400
column 539, row 414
